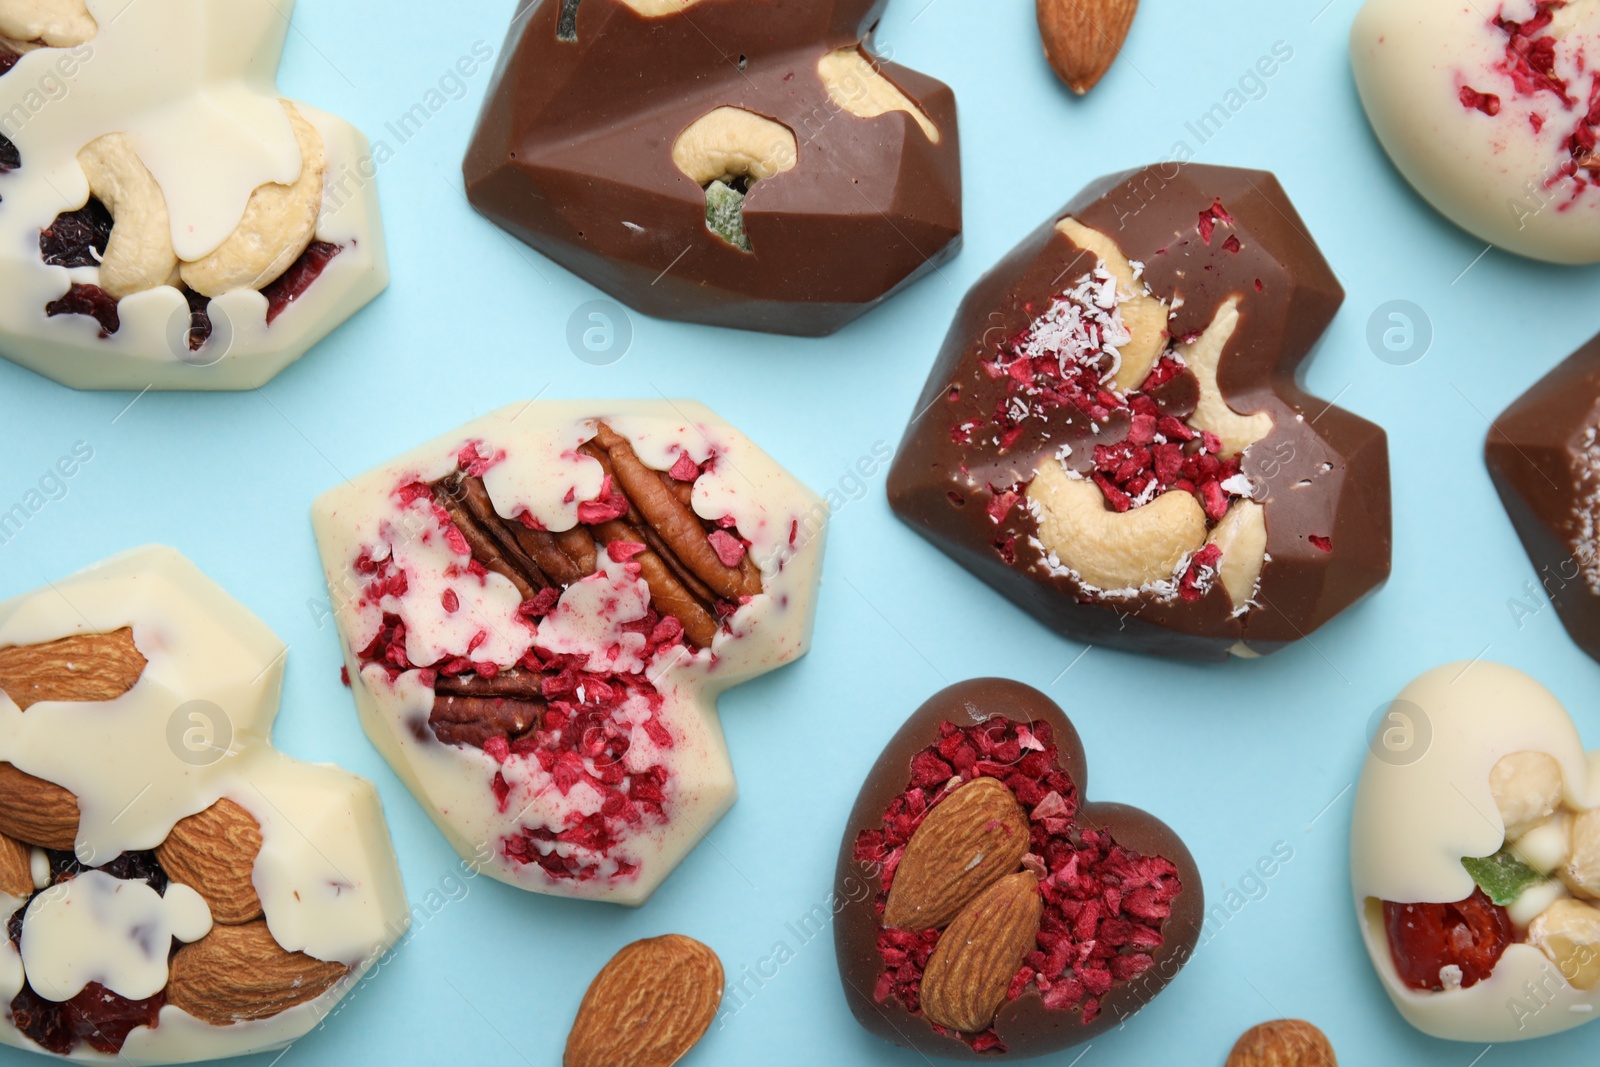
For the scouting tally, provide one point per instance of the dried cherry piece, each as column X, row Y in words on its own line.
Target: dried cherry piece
column 10, row 157
column 8, row 59
column 77, row 238
column 292, row 283
column 96, row 1016
column 88, row 300
column 1425, row 938
column 129, row 866
column 199, row 318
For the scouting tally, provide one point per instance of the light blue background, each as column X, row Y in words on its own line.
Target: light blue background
column 1237, row 758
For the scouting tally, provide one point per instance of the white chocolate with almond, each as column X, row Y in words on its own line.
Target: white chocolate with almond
column 193, row 729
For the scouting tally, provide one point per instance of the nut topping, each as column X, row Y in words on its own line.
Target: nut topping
column 85, row 668
column 975, row 836
column 977, row 956
column 214, row 853
column 239, row 974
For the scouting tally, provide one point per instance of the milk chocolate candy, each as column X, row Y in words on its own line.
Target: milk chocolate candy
column 988, row 910
column 717, row 161
column 1544, row 456
column 1113, row 435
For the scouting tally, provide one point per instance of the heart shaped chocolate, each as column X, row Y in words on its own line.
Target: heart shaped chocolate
column 1026, row 920
column 1113, row 436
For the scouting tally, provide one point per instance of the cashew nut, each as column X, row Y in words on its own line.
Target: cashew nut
column 857, row 86
column 1242, row 536
column 1527, row 790
column 139, row 253
column 1582, row 869
column 1143, row 315
column 1577, row 15
column 1569, row 933
column 730, row 143
column 1547, row 845
column 1238, row 432
column 654, row 9
column 57, row 23
column 1110, row 551
column 279, row 223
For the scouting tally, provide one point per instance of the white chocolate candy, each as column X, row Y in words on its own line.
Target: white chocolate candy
column 188, row 84
column 390, row 551
column 1416, row 818
column 193, row 729
column 1431, row 72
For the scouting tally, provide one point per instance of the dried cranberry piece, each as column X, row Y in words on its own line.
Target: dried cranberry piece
column 1425, row 938
column 199, row 319
column 129, row 866
column 292, row 284
column 10, row 157
column 77, row 238
column 88, row 300
column 8, row 59
column 97, row 1016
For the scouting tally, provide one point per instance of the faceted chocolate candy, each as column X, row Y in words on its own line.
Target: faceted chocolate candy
column 1544, row 456
column 1490, row 112
column 1113, row 435
column 539, row 611
column 170, row 222
column 176, row 889
column 1475, row 858
column 738, row 164
column 988, row 908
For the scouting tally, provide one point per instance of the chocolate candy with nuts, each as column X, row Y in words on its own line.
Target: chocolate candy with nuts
column 172, row 223
column 176, row 889
column 1475, row 858
column 1544, row 456
column 990, row 910
column 1114, row 438
column 538, row 612
column 737, row 164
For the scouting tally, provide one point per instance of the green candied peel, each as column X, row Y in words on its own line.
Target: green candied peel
column 725, row 214
column 1502, row 876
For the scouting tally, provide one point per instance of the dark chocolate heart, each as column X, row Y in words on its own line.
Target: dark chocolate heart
column 574, row 154
column 986, row 423
column 1122, row 856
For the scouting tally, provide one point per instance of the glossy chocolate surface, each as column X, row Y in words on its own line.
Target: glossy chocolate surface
column 1544, row 457
column 1322, row 473
column 573, row 154
column 1024, row 1025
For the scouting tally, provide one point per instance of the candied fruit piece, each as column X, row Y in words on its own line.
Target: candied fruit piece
column 1426, row 938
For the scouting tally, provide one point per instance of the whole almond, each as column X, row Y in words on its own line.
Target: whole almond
column 972, row 966
column 16, row 868
column 1285, row 1043
column 37, row 812
column 83, row 668
column 214, row 853
column 1082, row 37
column 240, row 974
column 975, row 836
column 648, row 1007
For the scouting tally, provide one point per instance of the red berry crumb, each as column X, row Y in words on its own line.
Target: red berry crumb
column 1425, row 938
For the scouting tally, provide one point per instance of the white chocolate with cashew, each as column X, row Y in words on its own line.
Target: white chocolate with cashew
column 208, row 125
column 1116, row 554
column 729, row 143
column 51, row 23
column 1418, row 813
column 860, row 88
column 326, row 875
column 139, row 254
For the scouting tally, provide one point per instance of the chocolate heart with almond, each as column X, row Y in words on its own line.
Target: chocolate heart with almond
column 989, row 911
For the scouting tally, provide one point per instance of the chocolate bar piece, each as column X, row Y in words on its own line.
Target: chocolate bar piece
column 1113, row 435
column 745, row 165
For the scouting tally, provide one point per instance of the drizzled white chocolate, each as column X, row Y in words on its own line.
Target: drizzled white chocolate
column 536, row 468
column 326, row 874
column 190, row 84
